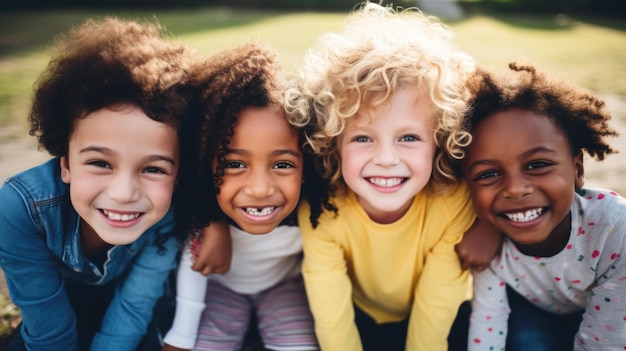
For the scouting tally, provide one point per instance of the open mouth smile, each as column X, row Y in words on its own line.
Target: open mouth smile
column 386, row 182
column 259, row 212
column 522, row 217
column 120, row 217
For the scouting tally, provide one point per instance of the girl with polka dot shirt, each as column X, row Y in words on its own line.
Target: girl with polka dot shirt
column 559, row 282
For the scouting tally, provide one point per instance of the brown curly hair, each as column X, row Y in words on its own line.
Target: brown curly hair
column 581, row 115
column 105, row 63
column 248, row 75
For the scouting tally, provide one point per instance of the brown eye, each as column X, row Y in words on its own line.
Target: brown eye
column 284, row 164
column 235, row 164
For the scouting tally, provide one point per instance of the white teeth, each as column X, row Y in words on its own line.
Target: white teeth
column 524, row 217
column 121, row 217
column 385, row 182
column 260, row 211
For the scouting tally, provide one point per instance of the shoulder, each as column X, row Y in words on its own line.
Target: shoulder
column 600, row 219
column 600, row 205
column 346, row 204
column 40, row 183
column 36, row 196
column 452, row 199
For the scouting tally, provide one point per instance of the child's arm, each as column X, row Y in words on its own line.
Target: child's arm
column 216, row 252
column 480, row 244
column 328, row 287
column 33, row 277
column 131, row 309
column 190, row 291
column 490, row 313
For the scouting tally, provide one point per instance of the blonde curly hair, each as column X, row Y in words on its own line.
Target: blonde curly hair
column 379, row 51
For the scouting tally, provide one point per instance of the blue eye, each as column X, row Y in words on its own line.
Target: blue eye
column 361, row 139
column 409, row 138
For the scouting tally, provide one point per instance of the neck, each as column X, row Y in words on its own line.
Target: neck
column 93, row 247
column 555, row 243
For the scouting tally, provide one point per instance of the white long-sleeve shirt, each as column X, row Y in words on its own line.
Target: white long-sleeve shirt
column 259, row 262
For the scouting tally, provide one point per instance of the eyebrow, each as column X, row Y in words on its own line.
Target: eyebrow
column 278, row 152
column 528, row 153
column 107, row 151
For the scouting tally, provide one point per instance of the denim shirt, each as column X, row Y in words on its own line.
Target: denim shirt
column 40, row 251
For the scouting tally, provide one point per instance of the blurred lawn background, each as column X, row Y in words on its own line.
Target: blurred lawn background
column 587, row 49
column 590, row 50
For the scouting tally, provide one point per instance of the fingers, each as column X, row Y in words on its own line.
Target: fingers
column 466, row 264
column 216, row 270
column 209, row 269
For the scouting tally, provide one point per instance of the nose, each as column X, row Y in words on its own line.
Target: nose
column 517, row 186
column 259, row 184
column 123, row 188
column 386, row 154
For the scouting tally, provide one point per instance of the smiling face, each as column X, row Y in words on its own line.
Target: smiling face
column 522, row 176
column 263, row 175
column 121, row 167
column 389, row 159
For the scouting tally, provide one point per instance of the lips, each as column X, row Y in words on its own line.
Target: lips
column 524, row 216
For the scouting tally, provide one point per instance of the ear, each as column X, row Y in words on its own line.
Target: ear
column 65, row 170
column 579, row 169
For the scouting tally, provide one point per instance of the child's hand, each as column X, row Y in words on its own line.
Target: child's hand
column 216, row 250
column 480, row 244
column 167, row 347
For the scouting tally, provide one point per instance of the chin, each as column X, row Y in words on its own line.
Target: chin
column 258, row 230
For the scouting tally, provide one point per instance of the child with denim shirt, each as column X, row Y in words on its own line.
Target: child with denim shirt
column 86, row 238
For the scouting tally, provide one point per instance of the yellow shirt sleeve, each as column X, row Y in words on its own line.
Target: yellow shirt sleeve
column 443, row 285
column 328, row 286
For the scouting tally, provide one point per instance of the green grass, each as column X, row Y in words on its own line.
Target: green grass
column 589, row 51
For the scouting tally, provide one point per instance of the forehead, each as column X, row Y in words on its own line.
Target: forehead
column 515, row 130
column 517, row 121
column 404, row 105
column 266, row 123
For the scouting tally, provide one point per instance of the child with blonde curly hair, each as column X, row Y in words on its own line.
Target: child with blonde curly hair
column 250, row 171
column 560, row 279
column 386, row 99
column 86, row 238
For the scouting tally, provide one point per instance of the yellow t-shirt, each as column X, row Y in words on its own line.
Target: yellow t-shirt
column 390, row 271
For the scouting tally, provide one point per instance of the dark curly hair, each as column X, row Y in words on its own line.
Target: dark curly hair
column 581, row 115
column 103, row 64
column 248, row 75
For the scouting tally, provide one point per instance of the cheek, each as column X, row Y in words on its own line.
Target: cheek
column 221, row 195
column 227, row 191
column 482, row 202
column 162, row 195
column 352, row 162
column 293, row 192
